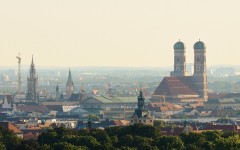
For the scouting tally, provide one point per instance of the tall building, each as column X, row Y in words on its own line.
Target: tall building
column 57, row 93
column 141, row 115
column 69, row 86
column 32, row 83
column 200, row 69
column 179, row 60
column 180, row 87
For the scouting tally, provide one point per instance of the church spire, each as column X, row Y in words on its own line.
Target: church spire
column 69, row 86
column 32, row 63
column 69, row 75
column 32, row 82
column 57, row 88
column 141, row 100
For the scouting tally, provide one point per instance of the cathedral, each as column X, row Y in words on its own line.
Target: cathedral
column 32, row 83
column 180, row 87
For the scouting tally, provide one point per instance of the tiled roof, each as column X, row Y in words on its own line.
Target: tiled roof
column 32, row 108
column 175, row 86
column 55, row 107
column 29, row 136
column 222, row 127
column 10, row 127
column 75, row 96
column 109, row 99
column 160, row 106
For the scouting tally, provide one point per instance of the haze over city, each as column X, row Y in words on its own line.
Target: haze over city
column 117, row 33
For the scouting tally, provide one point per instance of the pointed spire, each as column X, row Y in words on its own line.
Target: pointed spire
column 5, row 101
column 69, row 75
column 140, row 89
column 57, row 88
column 32, row 64
column 141, row 100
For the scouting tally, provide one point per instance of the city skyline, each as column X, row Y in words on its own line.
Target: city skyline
column 117, row 33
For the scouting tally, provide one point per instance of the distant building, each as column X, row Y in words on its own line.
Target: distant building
column 163, row 110
column 222, row 107
column 69, row 86
column 6, row 103
column 141, row 115
column 108, row 102
column 13, row 128
column 57, row 93
column 32, row 83
column 180, row 87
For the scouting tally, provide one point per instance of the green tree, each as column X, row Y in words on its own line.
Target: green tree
column 169, row 143
column 9, row 139
column 230, row 143
column 66, row 146
column 193, row 138
column 212, row 135
column 48, row 137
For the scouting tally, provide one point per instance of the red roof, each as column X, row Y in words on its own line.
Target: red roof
column 10, row 127
column 160, row 106
column 29, row 136
column 174, row 86
column 222, row 127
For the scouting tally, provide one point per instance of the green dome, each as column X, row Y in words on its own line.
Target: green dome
column 199, row 45
column 179, row 45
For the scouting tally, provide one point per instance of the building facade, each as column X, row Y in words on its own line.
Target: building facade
column 69, row 86
column 141, row 115
column 32, row 83
column 181, row 87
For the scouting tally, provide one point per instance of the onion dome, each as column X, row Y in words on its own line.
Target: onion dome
column 179, row 45
column 199, row 45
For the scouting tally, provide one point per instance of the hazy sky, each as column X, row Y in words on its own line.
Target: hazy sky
column 117, row 32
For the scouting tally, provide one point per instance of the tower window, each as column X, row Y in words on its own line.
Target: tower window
column 198, row 59
column 178, row 59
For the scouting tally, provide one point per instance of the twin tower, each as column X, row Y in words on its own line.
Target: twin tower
column 199, row 78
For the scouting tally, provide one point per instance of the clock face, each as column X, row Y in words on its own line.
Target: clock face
column 198, row 69
column 70, row 88
column 178, row 69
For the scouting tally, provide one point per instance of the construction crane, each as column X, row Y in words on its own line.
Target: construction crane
column 19, row 73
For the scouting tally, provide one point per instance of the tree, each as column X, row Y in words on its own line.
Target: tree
column 66, row 146
column 230, row 143
column 193, row 138
column 48, row 138
column 169, row 143
column 8, row 139
column 212, row 135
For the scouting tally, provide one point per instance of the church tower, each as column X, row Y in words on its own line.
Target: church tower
column 32, row 83
column 69, row 86
column 200, row 69
column 179, row 60
column 57, row 93
column 141, row 115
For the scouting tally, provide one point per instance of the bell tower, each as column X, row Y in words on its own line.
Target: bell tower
column 200, row 69
column 69, row 86
column 32, row 81
column 179, row 60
